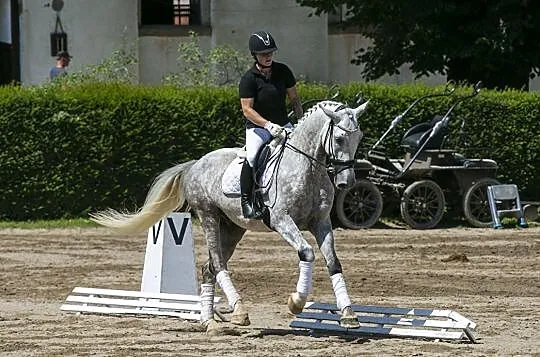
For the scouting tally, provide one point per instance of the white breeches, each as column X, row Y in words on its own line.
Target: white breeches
column 255, row 139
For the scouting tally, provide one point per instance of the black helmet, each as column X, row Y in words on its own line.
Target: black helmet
column 261, row 42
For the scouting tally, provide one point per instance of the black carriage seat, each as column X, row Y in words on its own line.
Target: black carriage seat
column 418, row 134
column 362, row 168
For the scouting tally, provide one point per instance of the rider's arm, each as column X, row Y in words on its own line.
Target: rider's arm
column 295, row 101
column 250, row 113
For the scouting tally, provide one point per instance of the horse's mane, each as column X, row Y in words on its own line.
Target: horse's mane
column 330, row 104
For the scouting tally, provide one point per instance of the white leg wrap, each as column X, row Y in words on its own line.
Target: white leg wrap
column 207, row 302
column 304, row 278
column 224, row 280
column 342, row 297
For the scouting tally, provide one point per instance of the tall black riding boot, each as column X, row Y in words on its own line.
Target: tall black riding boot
column 246, row 190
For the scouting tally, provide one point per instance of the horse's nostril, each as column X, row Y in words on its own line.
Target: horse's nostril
column 342, row 185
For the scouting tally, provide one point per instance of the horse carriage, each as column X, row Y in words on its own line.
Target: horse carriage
column 425, row 183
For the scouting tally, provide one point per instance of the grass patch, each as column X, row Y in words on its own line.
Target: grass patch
column 62, row 223
column 48, row 224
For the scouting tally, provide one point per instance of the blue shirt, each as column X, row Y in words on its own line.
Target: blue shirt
column 57, row 71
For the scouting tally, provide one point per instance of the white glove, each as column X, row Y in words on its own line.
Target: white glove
column 276, row 130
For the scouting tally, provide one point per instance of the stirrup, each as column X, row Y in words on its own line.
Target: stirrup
column 253, row 213
column 257, row 215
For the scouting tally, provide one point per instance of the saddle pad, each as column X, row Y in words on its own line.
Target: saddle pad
column 230, row 182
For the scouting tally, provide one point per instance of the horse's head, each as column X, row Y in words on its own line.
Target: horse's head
column 341, row 140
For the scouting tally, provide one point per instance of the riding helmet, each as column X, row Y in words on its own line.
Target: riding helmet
column 261, row 42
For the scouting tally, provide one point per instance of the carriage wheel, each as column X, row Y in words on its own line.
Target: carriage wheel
column 359, row 206
column 476, row 205
column 422, row 204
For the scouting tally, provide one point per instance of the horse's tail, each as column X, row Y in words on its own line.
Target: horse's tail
column 165, row 195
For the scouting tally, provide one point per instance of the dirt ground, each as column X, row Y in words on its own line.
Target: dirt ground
column 490, row 276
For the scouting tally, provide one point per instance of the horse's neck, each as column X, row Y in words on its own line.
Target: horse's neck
column 308, row 138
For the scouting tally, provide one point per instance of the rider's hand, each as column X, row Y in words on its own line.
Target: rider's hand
column 276, row 130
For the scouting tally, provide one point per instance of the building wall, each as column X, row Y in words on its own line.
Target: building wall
column 94, row 29
column 97, row 28
column 301, row 40
column 5, row 21
column 158, row 56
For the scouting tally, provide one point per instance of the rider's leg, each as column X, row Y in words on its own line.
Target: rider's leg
column 255, row 139
column 246, row 193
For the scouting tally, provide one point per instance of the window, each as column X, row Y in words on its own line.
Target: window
column 339, row 15
column 171, row 12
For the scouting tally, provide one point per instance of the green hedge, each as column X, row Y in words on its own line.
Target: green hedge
column 65, row 152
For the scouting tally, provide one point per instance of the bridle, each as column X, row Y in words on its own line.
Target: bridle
column 332, row 161
column 333, row 164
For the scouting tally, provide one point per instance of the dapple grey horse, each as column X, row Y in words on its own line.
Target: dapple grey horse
column 300, row 198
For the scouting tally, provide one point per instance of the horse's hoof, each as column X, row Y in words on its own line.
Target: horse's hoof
column 240, row 316
column 349, row 319
column 296, row 303
column 213, row 328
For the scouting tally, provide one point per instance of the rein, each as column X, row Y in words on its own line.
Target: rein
column 332, row 161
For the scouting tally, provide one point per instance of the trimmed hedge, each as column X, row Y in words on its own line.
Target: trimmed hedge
column 65, row 152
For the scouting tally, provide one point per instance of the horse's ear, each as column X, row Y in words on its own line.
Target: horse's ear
column 336, row 118
column 360, row 109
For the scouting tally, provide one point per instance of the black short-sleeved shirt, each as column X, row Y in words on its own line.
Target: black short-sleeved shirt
column 268, row 94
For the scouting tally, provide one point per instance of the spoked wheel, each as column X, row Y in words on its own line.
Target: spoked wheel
column 422, row 204
column 359, row 206
column 476, row 205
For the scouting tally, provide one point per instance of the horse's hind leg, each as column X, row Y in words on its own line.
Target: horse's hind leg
column 210, row 226
column 230, row 234
column 221, row 239
column 322, row 231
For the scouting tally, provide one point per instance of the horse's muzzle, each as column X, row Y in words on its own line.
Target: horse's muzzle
column 345, row 179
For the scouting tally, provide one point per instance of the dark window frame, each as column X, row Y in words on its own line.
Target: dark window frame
column 173, row 18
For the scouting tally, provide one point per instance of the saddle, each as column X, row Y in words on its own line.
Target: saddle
column 262, row 175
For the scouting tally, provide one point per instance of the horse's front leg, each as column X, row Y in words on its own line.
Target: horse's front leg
column 286, row 227
column 322, row 230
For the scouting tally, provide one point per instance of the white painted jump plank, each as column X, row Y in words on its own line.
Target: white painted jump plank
column 121, row 311
column 152, row 303
column 434, row 323
column 395, row 331
column 382, row 320
column 443, row 313
column 120, row 302
column 138, row 294
column 458, row 317
column 453, row 335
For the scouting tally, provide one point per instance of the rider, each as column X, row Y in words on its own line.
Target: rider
column 263, row 90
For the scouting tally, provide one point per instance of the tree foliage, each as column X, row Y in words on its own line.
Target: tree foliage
column 495, row 41
column 222, row 65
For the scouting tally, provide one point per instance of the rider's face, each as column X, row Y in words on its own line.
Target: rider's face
column 265, row 58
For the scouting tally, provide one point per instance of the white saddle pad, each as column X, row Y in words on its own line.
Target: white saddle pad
column 230, row 182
